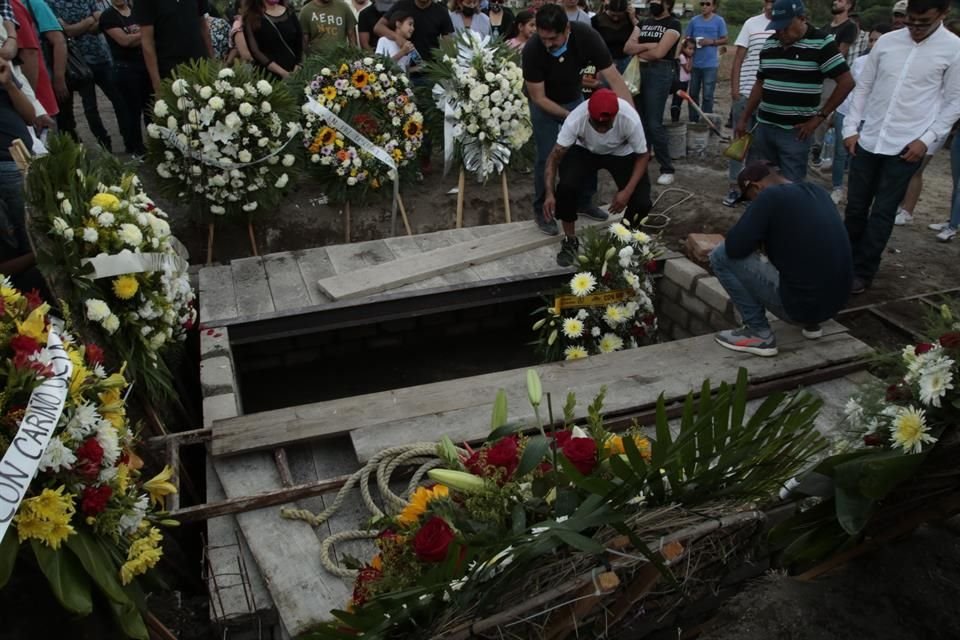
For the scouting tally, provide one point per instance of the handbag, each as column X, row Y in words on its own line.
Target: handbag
column 78, row 74
column 631, row 75
column 738, row 148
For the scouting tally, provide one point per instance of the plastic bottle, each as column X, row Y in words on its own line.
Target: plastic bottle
column 829, row 140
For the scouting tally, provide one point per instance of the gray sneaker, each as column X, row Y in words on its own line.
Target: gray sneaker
column 548, row 227
column 595, row 213
column 748, row 341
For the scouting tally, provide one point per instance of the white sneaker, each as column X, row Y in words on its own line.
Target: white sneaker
column 837, row 195
column 665, row 179
column 903, row 217
column 938, row 226
column 946, row 234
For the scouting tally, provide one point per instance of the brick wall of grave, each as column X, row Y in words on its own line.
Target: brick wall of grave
column 691, row 302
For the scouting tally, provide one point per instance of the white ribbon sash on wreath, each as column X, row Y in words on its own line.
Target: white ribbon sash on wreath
column 22, row 459
column 336, row 122
column 108, row 266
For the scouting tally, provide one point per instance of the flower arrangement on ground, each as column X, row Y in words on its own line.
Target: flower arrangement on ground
column 372, row 97
column 479, row 92
column 608, row 304
column 127, row 273
column 466, row 542
column 87, row 517
column 222, row 137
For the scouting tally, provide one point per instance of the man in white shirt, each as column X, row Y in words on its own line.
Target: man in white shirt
column 908, row 98
column 603, row 133
column 743, row 75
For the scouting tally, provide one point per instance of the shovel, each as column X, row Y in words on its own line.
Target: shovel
column 686, row 96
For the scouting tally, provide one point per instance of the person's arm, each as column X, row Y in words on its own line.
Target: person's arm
column 243, row 51
column 77, row 29
column 550, row 179
column 538, row 94
column 9, row 49
column 858, row 103
column 31, row 65
column 113, row 29
column 844, row 86
column 622, row 198
column 58, row 43
column 352, row 37
column 365, row 41
column 615, row 81
column 21, row 103
column 382, row 29
column 631, row 47
column 17, row 265
column 947, row 115
column 661, row 49
column 753, row 103
column 746, row 236
column 149, row 47
column 739, row 55
column 205, row 37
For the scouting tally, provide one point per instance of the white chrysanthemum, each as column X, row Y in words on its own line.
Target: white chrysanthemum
column 206, row 92
column 160, row 109
column 615, row 315
column 83, row 422
column 215, row 103
column 621, row 232
column 264, row 87
column 288, row 160
column 265, row 107
column 595, row 332
column 60, row 225
column 582, row 284
column 97, row 310
column 574, row 352
column 610, row 342
column 130, row 521
column 109, row 441
column 57, row 457
column 245, row 109
column 282, row 181
column 640, row 237
column 854, row 412
column 90, row 234
column 66, row 207
column 130, row 234
column 910, row 431
column 573, row 327
column 106, row 219
column 232, row 121
column 244, row 156
column 111, row 323
column 179, row 87
column 935, row 380
column 225, row 73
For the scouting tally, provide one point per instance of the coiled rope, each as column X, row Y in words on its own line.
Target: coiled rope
column 423, row 455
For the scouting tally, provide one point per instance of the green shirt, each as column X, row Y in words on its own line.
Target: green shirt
column 326, row 25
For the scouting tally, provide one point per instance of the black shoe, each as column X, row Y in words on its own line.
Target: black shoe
column 569, row 248
column 859, row 285
column 545, row 226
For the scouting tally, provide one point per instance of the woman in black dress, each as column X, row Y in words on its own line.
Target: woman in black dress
column 273, row 34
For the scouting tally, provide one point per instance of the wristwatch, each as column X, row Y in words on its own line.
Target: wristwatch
column 823, row 114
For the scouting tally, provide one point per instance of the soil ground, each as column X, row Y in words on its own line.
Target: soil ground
column 907, row 590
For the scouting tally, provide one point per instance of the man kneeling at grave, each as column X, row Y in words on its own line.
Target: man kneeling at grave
column 603, row 133
column 788, row 254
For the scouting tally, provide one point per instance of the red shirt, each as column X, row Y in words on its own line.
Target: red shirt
column 27, row 39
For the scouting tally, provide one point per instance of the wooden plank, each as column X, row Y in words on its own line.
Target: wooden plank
column 314, row 264
column 286, row 551
column 407, row 246
column 325, row 419
column 287, row 287
column 348, row 259
column 253, row 292
column 666, row 372
column 218, row 299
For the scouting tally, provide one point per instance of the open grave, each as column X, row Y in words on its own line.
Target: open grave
column 300, row 388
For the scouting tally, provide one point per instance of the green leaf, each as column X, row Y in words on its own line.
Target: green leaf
column 578, row 541
column 98, row 565
column 853, row 510
column 568, row 408
column 533, row 453
column 9, row 547
column 499, row 416
column 129, row 620
column 506, row 430
column 66, row 577
column 519, row 519
column 567, row 501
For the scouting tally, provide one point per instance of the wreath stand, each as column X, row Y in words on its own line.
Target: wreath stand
column 251, row 233
column 461, row 184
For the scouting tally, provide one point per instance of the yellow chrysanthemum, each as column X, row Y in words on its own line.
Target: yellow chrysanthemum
column 615, row 446
column 397, row 155
column 621, row 232
column 615, row 314
column 910, row 430
column 419, row 502
column 106, row 201
column 329, row 92
column 46, row 517
column 160, row 486
column 36, row 323
column 142, row 556
column 123, row 478
column 582, row 284
column 10, row 295
column 125, row 287
column 77, row 380
column 574, row 352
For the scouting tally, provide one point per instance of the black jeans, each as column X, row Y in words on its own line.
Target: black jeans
column 103, row 77
column 135, row 93
column 654, row 92
column 875, row 189
column 579, row 169
column 677, row 101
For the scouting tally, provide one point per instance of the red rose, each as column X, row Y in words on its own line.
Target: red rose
column 651, row 266
column 361, row 586
column 24, row 345
column 89, row 457
column 34, row 299
column 94, row 353
column 922, row 348
column 562, row 437
column 872, row 440
column 95, row 499
column 582, row 453
column 433, row 540
column 504, row 455
column 638, row 330
column 950, row 340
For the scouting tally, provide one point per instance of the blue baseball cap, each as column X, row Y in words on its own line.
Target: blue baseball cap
column 784, row 11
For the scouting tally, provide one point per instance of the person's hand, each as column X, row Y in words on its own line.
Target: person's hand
column 590, row 82
column 549, row 207
column 851, row 144
column 805, row 129
column 740, row 129
column 407, row 47
column 6, row 76
column 60, row 88
column 914, row 151
column 620, row 201
column 42, row 123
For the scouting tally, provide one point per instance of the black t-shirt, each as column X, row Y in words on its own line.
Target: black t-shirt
column 113, row 19
column 430, row 25
column 12, row 126
column 844, row 33
column 806, row 241
column 276, row 39
column 176, row 25
column 614, row 34
column 561, row 75
column 652, row 30
column 367, row 19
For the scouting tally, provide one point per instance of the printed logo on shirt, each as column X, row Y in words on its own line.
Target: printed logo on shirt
column 324, row 18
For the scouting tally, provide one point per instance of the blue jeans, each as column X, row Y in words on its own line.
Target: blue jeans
column 955, row 168
column 782, row 148
column 705, row 79
column 753, row 285
column 736, row 110
column 657, row 79
column 545, row 130
column 876, row 187
column 840, row 156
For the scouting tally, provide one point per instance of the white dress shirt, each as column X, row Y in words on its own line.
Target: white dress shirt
column 907, row 91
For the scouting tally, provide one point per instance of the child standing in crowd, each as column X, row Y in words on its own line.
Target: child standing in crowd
column 686, row 63
column 404, row 55
column 523, row 27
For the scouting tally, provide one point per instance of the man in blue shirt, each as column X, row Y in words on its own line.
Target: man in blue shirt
column 708, row 31
column 804, row 276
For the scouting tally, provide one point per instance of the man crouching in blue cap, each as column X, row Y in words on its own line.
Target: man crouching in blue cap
column 804, row 272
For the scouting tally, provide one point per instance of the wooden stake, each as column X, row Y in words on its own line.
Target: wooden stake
column 403, row 215
column 506, row 194
column 346, row 222
column 210, row 244
column 460, row 188
column 253, row 238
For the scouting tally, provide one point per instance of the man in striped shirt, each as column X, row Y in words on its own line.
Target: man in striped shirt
column 786, row 97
